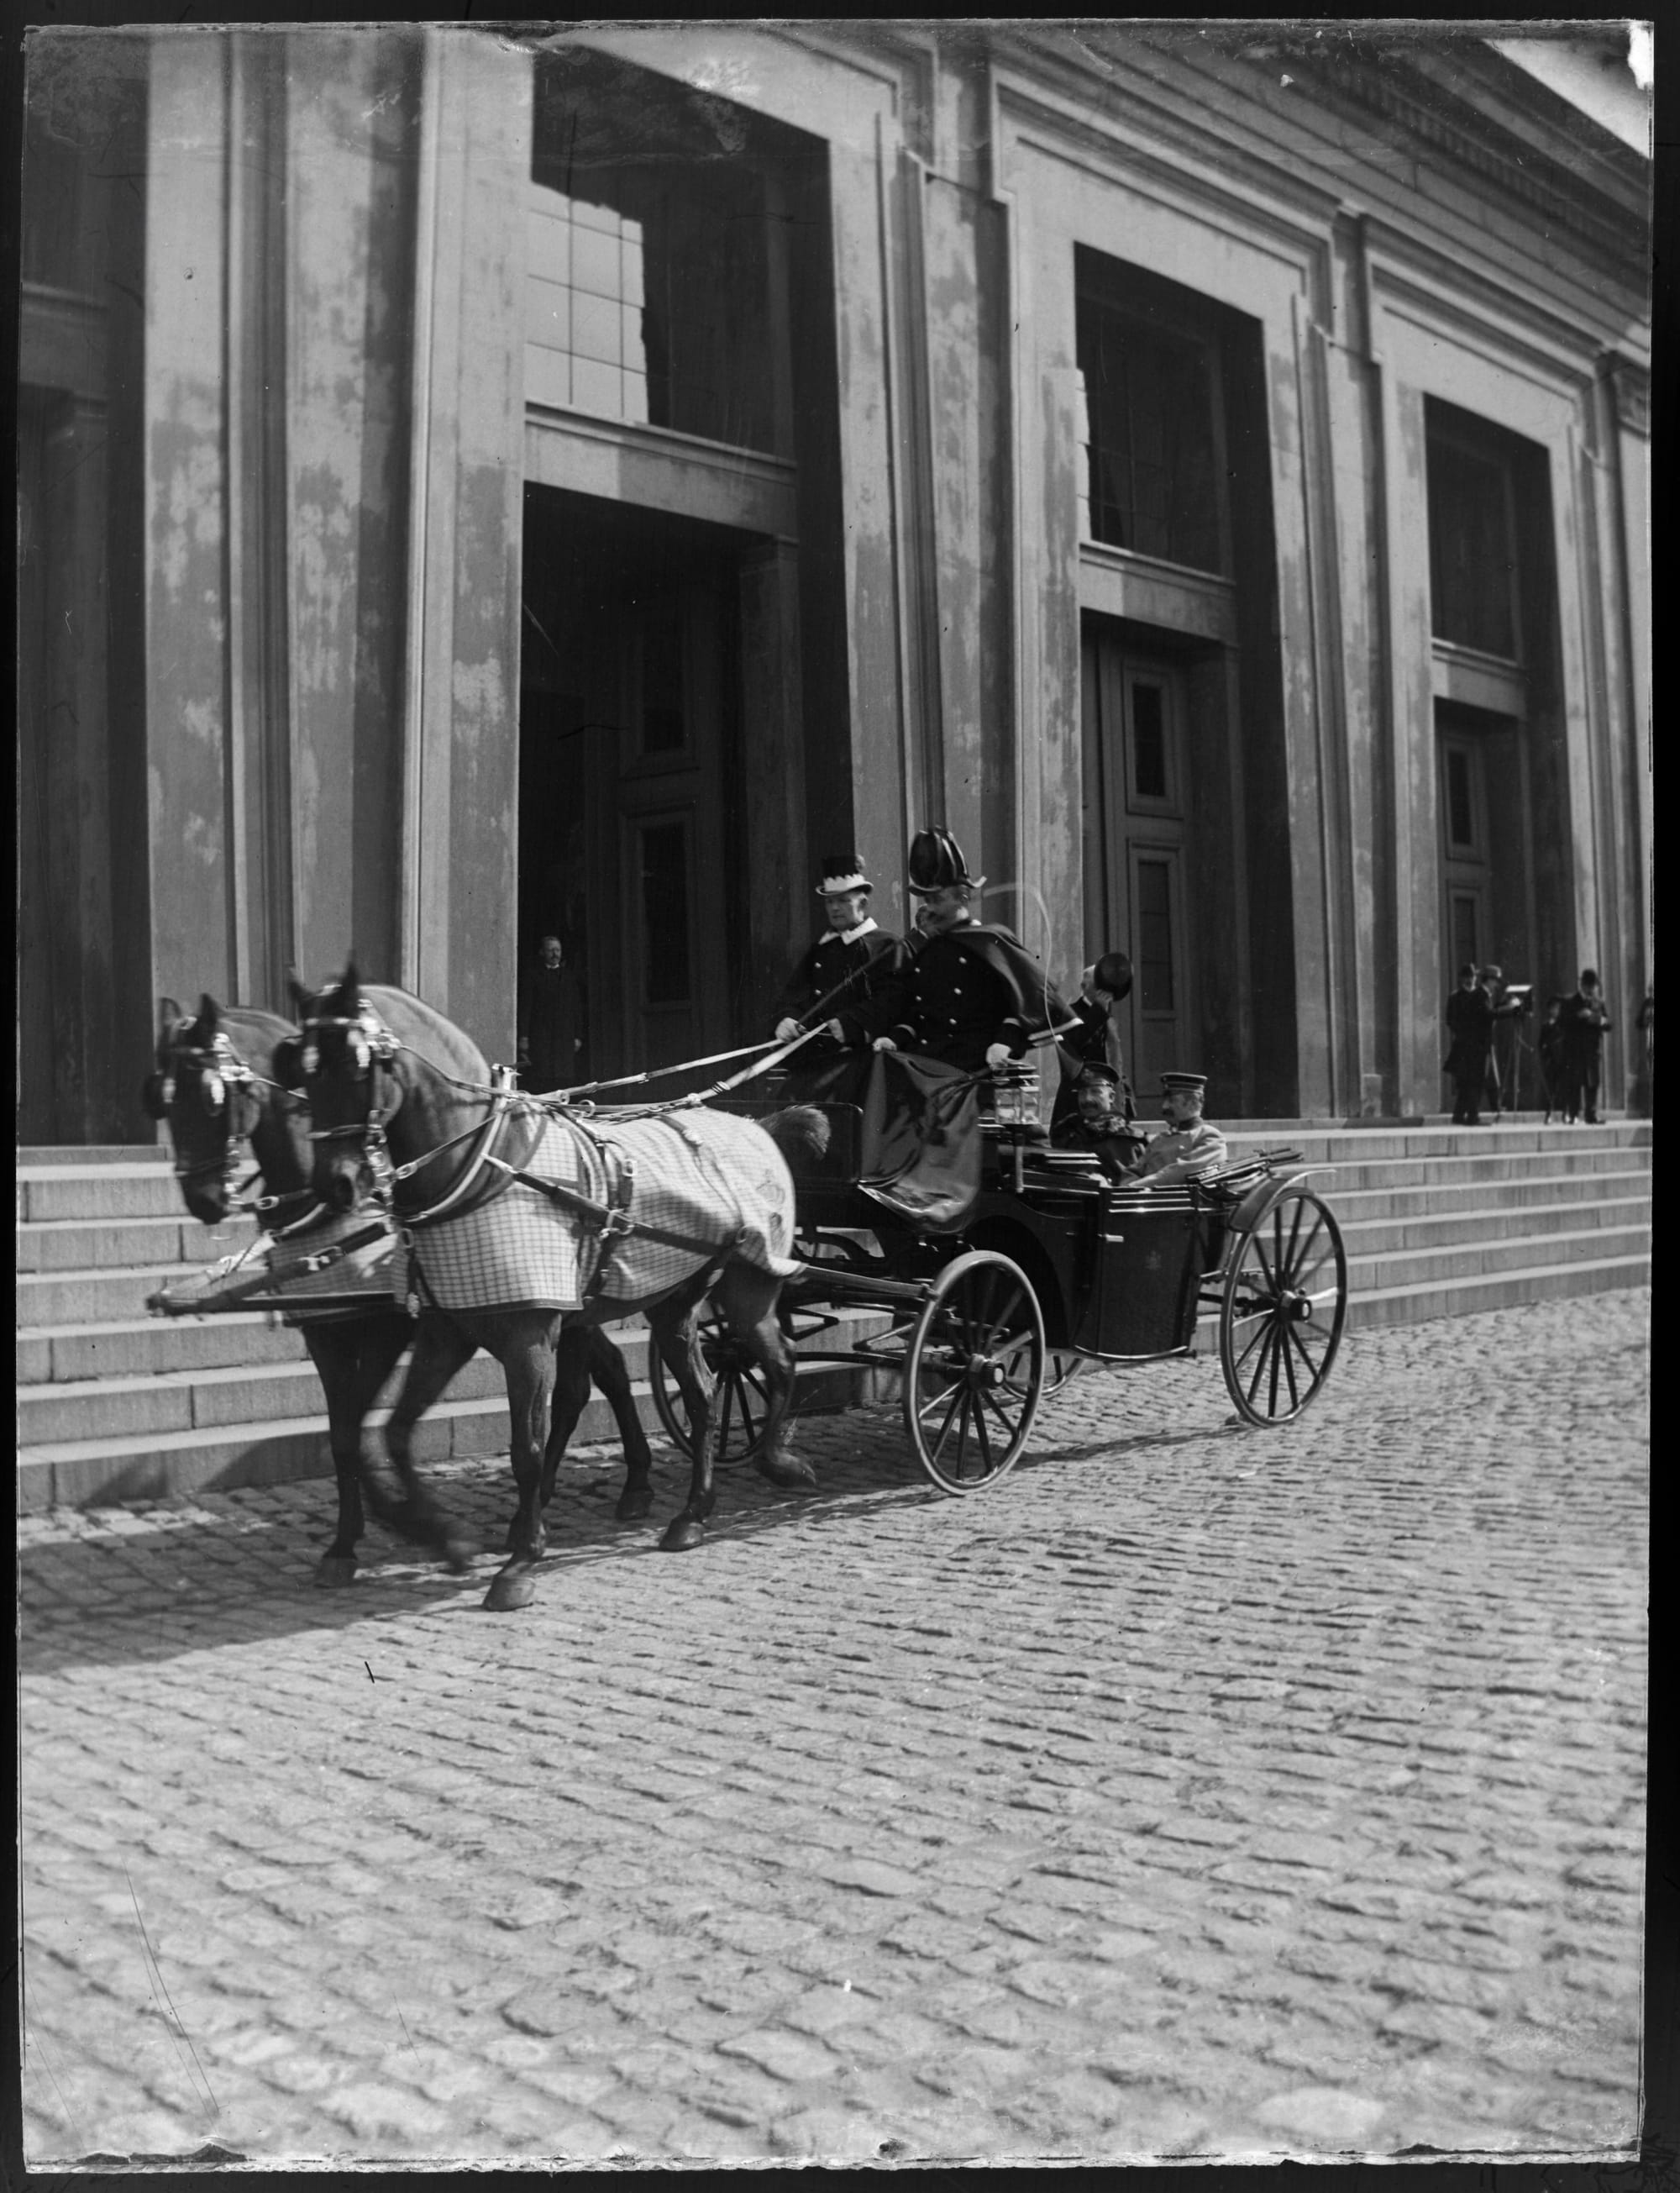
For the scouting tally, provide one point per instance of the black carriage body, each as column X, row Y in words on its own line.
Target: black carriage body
column 1120, row 1273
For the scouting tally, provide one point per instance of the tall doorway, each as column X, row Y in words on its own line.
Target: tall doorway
column 1137, row 899
column 627, row 753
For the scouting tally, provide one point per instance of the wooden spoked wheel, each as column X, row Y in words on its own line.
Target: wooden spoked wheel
column 740, row 1398
column 974, row 1372
column 1284, row 1304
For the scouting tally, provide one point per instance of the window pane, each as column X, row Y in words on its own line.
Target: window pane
column 663, row 727
column 1149, row 742
column 1471, row 556
column 1154, row 936
column 1150, row 409
column 665, row 912
column 1467, row 946
column 1461, row 813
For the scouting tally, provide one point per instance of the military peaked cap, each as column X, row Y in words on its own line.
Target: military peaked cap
column 1197, row 1082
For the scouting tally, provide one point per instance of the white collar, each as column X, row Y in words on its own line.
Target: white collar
column 851, row 935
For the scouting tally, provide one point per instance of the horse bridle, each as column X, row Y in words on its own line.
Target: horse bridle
column 374, row 1046
column 228, row 1081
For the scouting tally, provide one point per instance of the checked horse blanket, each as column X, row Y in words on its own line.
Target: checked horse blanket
column 704, row 1174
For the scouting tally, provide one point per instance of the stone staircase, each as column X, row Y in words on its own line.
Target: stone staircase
column 114, row 1404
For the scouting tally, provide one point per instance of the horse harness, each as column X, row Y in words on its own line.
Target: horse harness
column 375, row 1047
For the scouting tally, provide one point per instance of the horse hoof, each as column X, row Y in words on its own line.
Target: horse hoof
column 334, row 1571
column 633, row 1507
column 681, row 1534
column 790, row 1473
column 509, row 1593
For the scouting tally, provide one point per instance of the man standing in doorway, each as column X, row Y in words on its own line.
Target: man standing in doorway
column 551, row 1021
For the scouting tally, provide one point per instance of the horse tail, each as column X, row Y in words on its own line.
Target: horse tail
column 801, row 1130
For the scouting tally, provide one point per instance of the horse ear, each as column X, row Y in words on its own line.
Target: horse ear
column 350, row 989
column 209, row 1012
column 300, row 996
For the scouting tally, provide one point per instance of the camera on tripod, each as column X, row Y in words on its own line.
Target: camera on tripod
column 1519, row 998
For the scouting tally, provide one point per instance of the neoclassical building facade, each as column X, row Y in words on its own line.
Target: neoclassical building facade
column 477, row 484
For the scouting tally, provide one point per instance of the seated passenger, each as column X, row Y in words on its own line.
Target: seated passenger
column 1098, row 1123
column 1191, row 1147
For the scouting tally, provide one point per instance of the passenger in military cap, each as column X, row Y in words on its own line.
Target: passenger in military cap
column 970, row 994
column 1098, row 1124
column 853, row 951
column 1191, row 1147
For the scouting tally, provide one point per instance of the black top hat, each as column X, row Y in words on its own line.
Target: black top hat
column 1197, row 1082
column 1112, row 973
column 842, row 872
column 937, row 862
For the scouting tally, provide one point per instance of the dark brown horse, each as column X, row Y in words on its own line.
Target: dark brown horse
column 402, row 1098
column 215, row 1086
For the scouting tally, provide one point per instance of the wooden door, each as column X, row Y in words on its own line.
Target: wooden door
column 1136, row 898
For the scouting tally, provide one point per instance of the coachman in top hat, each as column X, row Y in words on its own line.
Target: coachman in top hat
column 852, row 954
column 970, row 994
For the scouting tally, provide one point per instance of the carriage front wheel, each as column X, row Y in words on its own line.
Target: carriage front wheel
column 1284, row 1304
column 973, row 1371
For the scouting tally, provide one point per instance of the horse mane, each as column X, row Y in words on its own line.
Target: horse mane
column 425, row 1030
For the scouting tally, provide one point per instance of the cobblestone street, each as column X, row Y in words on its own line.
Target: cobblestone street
column 1200, row 1790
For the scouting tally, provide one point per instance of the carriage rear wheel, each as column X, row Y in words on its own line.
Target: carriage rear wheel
column 741, row 1397
column 973, row 1371
column 1284, row 1304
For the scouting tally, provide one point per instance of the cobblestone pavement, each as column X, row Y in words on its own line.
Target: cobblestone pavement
column 1198, row 1790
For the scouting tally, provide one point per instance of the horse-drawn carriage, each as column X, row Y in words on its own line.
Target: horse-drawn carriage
column 986, row 1264
column 1045, row 1265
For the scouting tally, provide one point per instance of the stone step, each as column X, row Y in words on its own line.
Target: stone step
column 138, row 1345
column 1353, row 1204
column 1412, row 1304
column 108, row 1472
column 78, row 1155
column 1403, row 1268
column 92, row 1244
column 98, row 1296
column 1464, row 1172
column 119, row 1190
column 1388, row 1139
column 201, row 1400
column 1364, row 1237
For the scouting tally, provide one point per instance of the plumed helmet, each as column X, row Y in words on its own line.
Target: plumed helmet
column 937, row 862
column 842, row 872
